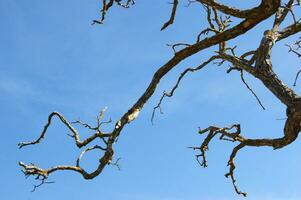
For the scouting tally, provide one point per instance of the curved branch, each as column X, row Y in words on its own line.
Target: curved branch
column 172, row 15
column 33, row 170
column 291, row 130
column 252, row 17
column 75, row 135
column 232, row 168
column 170, row 94
column 249, row 13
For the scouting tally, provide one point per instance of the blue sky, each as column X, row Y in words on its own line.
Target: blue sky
column 51, row 59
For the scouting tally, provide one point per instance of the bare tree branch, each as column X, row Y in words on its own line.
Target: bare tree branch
column 172, row 15
column 296, row 78
column 250, row 89
column 170, row 94
column 257, row 63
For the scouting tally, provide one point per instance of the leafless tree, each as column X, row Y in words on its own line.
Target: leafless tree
column 224, row 23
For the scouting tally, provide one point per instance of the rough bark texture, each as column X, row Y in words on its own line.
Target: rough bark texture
column 219, row 32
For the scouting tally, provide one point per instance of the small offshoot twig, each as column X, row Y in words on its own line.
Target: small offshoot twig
column 250, row 89
column 170, row 94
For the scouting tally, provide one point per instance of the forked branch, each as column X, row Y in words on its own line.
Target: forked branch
column 255, row 62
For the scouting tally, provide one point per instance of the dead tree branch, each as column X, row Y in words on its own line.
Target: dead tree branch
column 256, row 62
column 170, row 94
column 172, row 15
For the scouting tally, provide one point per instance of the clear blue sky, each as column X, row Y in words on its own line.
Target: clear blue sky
column 51, row 59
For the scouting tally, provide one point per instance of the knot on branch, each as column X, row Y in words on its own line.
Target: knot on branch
column 133, row 115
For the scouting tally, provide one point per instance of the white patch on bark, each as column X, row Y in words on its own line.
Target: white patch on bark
column 133, row 116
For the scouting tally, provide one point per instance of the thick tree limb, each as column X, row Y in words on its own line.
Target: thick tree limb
column 249, row 13
column 259, row 66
